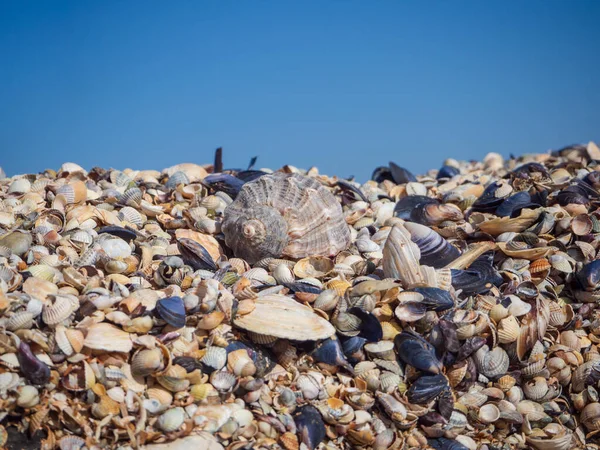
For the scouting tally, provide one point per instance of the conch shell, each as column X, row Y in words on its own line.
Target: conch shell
column 285, row 215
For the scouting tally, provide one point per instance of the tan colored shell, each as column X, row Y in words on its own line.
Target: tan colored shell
column 59, row 309
column 401, row 258
column 285, row 215
column 280, row 316
column 313, row 267
column 104, row 336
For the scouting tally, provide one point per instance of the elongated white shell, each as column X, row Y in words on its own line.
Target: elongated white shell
column 282, row 317
column 285, row 214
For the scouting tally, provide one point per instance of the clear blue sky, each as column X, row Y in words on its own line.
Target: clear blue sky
column 345, row 85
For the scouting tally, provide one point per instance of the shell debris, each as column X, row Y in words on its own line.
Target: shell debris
column 187, row 307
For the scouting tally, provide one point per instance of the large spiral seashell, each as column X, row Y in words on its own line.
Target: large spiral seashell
column 285, row 214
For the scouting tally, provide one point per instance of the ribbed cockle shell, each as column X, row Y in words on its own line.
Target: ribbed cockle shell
column 285, row 215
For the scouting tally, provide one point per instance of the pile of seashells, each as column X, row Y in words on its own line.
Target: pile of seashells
column 249, row 309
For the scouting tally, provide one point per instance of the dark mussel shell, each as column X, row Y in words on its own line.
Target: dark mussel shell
column 302, row 287
column 218, row 164
column 588, row 277
column 407, row 205
column 370, row 327
column 517, row 211
column 353, row 192
column 32, row 368
column 479, row 278
column 400, row 174
column 381, row 174
column 515, row 201
column 572, row 195
column 447, row 172
column 448, row 330
column 432, row 418
column 593, row 179
column 195, row 255
column 540, row 197
column 446, row 444
column 126, row 234
column 525, row 170
column 262, row 358
column 309, row 423
column 436, row 251
column 446, row 403
column 414, row 350
column 250, row 175
column 224, row 182
column 586, row 188
column 426, row 388
column 189, row 363
column 470, row 346
column 488, row 202
column 353, row 348
column 435, row 299
column 330, row 352
column 172, row 311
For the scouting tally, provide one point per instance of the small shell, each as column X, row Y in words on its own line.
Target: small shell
column 381, row 349
column 171, row 420
column 58, row 309
column 313, row 267
column 74, row 192
column 491, row 363
column 215, row 357
column 508, row 330
column 327, row 300
column 20, row 321
column 28, row 397
column 164, row 397
column 223, row 381
column 283, row 274
column 240, row 363
column 71, row 442
column 146, row 362
column 581, row 225
column 489, row 413
column 202, row 391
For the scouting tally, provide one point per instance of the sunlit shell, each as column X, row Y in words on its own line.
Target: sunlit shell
column 171, row 420
column 240, row 363
column 508, row 330
column 282, row 317
column 147, row 361
column 20, row 320
column 215, row 357
column 58, row 309
column 489, row 413
column 107, row 337
column 492, row 363
column 313, row 267
column 284, row 214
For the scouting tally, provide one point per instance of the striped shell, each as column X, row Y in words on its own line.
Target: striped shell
column 285, row 214
column 59, row 309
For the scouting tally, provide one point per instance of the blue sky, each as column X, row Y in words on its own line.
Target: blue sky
column 344, row 85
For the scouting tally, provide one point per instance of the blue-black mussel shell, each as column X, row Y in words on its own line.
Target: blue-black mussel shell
column 172, row 311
